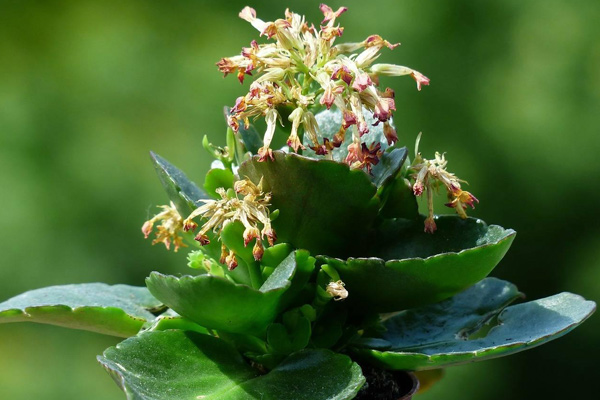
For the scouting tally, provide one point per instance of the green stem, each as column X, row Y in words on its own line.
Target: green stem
column 255, row 275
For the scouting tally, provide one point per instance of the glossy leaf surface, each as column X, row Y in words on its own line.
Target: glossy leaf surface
column 177, row 365
column 389, row 166
column 181, row 191
column 474, row 325
column 217, row 303
column 118, row 310
column 423, row 268
column 322, row 204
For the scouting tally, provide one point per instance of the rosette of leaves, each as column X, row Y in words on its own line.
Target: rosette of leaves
column 352, row 281
column 221, row 334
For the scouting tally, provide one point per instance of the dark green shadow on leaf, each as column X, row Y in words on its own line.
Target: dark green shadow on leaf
column 118, row 310
column 455, row 331
column 181, row 191
column 250, row 138
column 322, row 203
column 177, row 365
column 423, row 268
column 399, row 200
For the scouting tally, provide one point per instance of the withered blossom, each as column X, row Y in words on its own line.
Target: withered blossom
column 251, row 210
column 428, row 175
column 169, row 230
column 337, row 290
column 302, row 67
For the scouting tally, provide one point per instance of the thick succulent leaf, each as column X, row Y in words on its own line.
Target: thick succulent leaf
column 400, row 201
column 118, row 310
column 181, row 191
column 218, row 178
column 474, row 325
column 423, row 268
column 178, row 365
column 217, row 303
column 322, row 203
column 389, row 165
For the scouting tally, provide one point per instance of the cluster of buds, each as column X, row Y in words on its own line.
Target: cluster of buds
column 303, row 68
column 170, row 228
column 251, row 210
column 428, row 176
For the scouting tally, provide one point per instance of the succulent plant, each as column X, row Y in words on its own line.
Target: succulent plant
column 311, row 264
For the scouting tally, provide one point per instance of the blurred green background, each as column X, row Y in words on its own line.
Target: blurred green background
column 87, row 88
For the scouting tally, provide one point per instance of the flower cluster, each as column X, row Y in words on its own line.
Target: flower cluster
column 303, row 68
column 428, row 175
column 251, row 210
column 170, row 228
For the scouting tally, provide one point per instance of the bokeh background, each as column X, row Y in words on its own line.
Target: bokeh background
column 87, row 88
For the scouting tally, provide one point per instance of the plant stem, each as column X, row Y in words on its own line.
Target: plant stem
column 255, row 275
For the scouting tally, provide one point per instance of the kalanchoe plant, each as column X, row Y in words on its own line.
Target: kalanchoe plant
column 315, row 275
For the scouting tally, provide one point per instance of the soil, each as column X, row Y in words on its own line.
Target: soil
column 384, row 385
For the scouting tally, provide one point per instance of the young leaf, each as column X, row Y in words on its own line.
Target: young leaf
column 474, row 325
column 182, row 192
column 177, row 365
column 118, row 310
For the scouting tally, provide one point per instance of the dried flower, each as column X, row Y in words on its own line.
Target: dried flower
column 170, row 228
column 428, row 175
column 251, row 210
column 337, row 290
column 302, row 68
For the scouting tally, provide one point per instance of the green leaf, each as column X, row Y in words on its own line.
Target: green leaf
column 182, row 192
column 250, row 138
column 217, row 178
column 178, row 365
column 322, row 203
column 217, row 303
column 389, row 165
column 400, row 201
column 118, row 310
column 171, row 320
column 284, row 341
column 474, row 325
column 423, row 268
